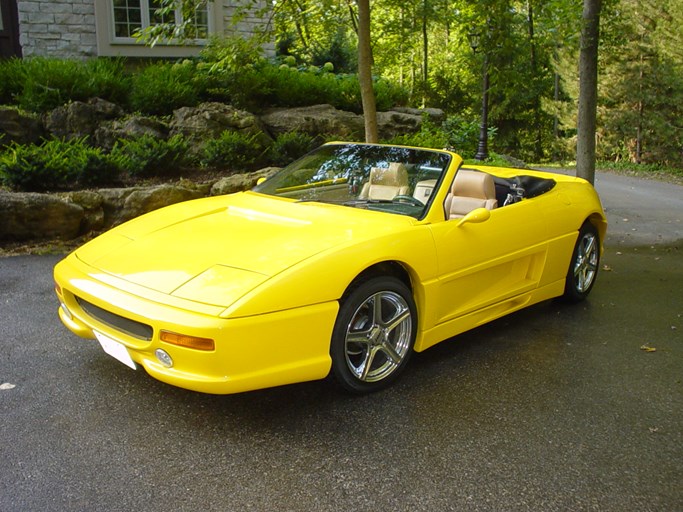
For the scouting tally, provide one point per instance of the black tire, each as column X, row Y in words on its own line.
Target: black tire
column 584, row 265
column 374, row 335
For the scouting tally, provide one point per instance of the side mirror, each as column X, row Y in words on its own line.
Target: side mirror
column 260, row 180
column 475, row 216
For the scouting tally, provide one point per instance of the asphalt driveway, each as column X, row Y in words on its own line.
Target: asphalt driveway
column 553, row 408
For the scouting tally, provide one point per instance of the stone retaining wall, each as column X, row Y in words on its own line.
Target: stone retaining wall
column 30, row 217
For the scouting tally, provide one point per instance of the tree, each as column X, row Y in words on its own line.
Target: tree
column 588, row 90
column 641, row 104
column 367, row 92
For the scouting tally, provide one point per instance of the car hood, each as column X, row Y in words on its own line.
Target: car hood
column 216, row 250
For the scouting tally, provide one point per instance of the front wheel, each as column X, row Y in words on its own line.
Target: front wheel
column 374, row 335
column 583, row 269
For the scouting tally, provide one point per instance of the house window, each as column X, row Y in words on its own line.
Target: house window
column 130, row 16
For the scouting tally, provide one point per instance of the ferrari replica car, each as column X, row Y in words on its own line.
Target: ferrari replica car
column 341, row 264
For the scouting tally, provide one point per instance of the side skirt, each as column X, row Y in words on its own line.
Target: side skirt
column 464, row 323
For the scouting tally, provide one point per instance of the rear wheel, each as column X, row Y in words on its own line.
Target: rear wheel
column 583, row 269
column 374, row 335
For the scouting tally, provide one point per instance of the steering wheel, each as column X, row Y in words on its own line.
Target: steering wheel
column 408, row 199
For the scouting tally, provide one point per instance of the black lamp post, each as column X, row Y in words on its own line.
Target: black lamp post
column 482, row 148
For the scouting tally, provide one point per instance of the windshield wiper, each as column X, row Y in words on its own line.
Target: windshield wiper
column 327, row 201
column 356, row 202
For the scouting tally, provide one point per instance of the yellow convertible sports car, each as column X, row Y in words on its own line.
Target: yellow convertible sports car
column 342, row 264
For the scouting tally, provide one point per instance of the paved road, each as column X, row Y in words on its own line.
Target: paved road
column 553, row 408
column 640, row 212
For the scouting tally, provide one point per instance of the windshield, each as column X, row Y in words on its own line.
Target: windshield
column 385, row 178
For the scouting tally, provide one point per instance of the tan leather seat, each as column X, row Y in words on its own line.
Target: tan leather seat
column 470, row 190
column 386, row 183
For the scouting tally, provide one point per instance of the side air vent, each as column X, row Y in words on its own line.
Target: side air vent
column 126, row 325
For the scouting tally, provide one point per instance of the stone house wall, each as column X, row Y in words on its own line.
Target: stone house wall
column 69, row 29
column 57, row 28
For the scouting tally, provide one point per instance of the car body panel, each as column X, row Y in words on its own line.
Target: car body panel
column 263, row 275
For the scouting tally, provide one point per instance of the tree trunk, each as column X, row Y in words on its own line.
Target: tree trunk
column 641, row 110
column 365, row 72
column 425, row 55
column 538, row 145
column 588, row 90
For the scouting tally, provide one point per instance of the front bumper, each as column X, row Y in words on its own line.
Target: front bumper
column 250, row 353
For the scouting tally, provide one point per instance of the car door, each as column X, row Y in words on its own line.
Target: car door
column 488, row 266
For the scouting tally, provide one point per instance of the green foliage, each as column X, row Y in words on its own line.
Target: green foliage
column 41, row 84
column 234, row 70
column 463, row 134
column 455, row 133
column 55, row 165
column 163, row 87
column 235, row 151
column 317, row 32
column 233, row 54
column 301, row 88
column 429, row 136
column 640, row 118
column 230, row 71
column 290, row 146
column 494, row 160
column 12, row 80
column 338, row 52
column 150, row 156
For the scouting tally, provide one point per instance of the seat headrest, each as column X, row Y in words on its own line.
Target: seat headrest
column 395, row 175
column 474, row 184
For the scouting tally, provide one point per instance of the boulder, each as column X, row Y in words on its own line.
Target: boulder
column 393, row 123
column 145, row 200
column 240, row 182
column 93, row 213
column 31, row 216
column 435, row 115
column 404, row 120
column 209, row 120
column 315, row 120
column 135, row 126
column 122, row 204
column 19, row 127
column 78, row 119
column 113, row 200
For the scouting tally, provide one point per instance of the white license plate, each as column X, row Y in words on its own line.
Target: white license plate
column 116, row 350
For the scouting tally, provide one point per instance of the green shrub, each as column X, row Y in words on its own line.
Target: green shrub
column 458, row 134
column 231, row 72
column 389, row 94
column 300, row 88
column 233, row 54
column 150, row 156
column 338, row 51
column 290, row 146
column 232, row 150
column 12, row 78
column 429, row 136
column 55, row 165
column 463, row 135
column 107, row 79
column 235, row 71
column 251, row 89
column 49, row 83
column 161, row 88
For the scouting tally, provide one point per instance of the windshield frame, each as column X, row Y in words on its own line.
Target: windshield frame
column 340, row 173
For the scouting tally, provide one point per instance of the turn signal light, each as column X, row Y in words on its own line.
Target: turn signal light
column 184, row 340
